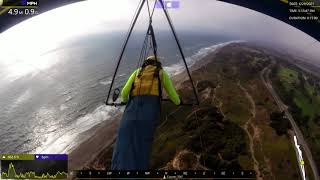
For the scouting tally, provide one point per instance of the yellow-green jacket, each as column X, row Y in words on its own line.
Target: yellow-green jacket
column 147, row 84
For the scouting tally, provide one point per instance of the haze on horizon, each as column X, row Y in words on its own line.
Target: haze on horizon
column 51, row 29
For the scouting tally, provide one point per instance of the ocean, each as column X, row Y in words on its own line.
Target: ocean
column 52, row 109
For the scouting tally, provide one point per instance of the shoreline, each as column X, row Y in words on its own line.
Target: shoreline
column 87, row 153
column 88, row 150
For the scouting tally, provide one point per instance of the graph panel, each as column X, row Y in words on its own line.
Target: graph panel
column 34, row 166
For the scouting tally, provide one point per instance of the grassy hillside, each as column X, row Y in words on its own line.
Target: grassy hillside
column 231, row 127
column 301, row 92
column 235, row 126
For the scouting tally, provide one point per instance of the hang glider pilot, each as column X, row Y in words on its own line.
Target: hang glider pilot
column 142, row 92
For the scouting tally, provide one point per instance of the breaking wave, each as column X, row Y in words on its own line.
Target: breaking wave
column 63, row 141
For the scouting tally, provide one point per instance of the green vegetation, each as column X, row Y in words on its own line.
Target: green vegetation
column 204, row 132
column 229, row 129
column 288, row 76
column 280, row 123
column 297, row 87
column 300, row 91
column 218, row 135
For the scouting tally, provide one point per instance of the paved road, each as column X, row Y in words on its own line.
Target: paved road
column 265, row 74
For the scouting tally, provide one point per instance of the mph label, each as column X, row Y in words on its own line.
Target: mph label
column 10, row 3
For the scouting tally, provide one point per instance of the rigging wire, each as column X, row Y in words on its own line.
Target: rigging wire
column 194, row 89
column 155, row 51
column 146, row 40
column 153, row 45
column 202, row 144
column 148, row 10
column 180, row 49
column 145, row 51
column 124, row 47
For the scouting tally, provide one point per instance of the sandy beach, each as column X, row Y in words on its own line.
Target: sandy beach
column 88, row 150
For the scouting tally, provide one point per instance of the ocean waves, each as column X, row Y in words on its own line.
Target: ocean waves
column 67, row 138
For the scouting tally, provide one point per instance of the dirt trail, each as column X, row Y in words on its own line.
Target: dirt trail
column 215, row 98
column 256, row 164
column 246, row 126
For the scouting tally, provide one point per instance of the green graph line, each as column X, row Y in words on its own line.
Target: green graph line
column 30, row 175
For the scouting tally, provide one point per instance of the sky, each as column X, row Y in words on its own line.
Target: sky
column 50, row 30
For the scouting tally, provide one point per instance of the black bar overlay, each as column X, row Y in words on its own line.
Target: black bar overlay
column 161, row 174
column 20, row 3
